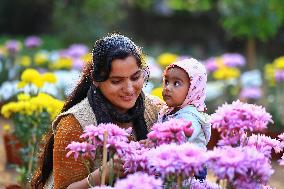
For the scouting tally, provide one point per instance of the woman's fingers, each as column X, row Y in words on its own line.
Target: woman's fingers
column 143, row 142
column 118, row 166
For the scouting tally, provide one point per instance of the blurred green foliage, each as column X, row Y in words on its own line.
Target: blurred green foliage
column 190, row 5
column 259, row 19
column 85, row 19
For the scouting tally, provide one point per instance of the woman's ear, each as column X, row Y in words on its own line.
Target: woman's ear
column 96, row 83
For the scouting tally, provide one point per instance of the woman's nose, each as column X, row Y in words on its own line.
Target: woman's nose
column 128, row 87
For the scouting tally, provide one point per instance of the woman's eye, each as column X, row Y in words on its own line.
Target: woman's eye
column 177, row 83
column 115, row 81
column 135, row 78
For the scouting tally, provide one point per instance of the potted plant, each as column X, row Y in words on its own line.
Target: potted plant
column 31, row 115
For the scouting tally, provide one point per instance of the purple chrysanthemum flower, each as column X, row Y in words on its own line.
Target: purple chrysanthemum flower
column 210, row 65
column 242, row 167
column 81, row 148
column 251, row 93
column 233, row 120
column 33, row 41
column 173, row 130
column 139, row 181
column 77, row 50
column 279, row 75
column 173, row 159
column 196, row 184
column 263, row 144
column 13, row 46
column 266, row 187
column 78, row 63
column 134, row 157
column 233, row 60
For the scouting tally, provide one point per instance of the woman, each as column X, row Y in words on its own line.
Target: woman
column 110, row 90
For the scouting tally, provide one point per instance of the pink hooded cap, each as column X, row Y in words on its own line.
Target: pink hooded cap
column 198, row 77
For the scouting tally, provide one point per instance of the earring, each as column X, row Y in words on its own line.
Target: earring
column 95, row 89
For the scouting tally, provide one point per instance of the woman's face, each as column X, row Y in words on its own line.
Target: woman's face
column 124, row 84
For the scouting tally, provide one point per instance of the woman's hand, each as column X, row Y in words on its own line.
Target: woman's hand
column 118, row 166
column 146, row 143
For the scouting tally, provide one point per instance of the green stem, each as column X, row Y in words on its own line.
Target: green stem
column 179, row 181
column 31, row 154
column 86, row 165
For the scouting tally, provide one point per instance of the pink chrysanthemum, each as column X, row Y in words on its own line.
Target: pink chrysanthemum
column 263, row 144
column 233, row 120
column 80, row 148
column 117, row 137
column 173, row 159
column 139, row 181
column 134, row 158
column 173, row 130
column 281, row 136
column 242, row 167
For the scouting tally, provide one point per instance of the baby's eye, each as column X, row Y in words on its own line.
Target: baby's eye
column 166, row 82
column 177, row 83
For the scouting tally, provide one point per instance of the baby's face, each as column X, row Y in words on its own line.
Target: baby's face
column 175, row 86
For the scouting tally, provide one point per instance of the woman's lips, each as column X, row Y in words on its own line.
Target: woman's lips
column 127, row 98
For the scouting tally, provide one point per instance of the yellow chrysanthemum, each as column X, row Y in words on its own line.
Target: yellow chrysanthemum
column 40, row 58
column 166, row 59
column 6, row 128
column 25, row 61
column 39, row 82
column 225, row 73
column 33, row 105
column 269, row 71
column 87, row 58
column 23, row 97
column 29, row 75
column 3, row 51
column 49, row 77
column 158, row 92
column 21, row 84
column 62, row 63
column 279, row 63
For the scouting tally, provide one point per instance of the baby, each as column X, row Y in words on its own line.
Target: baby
column 184, row 84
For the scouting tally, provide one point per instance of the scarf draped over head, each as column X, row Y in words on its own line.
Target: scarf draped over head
column 197, row 91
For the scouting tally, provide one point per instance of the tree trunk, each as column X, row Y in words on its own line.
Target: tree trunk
column 251, row 54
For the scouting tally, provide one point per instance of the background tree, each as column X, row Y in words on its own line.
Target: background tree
column 251, row 20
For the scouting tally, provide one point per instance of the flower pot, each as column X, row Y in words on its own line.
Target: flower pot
column 12, row 148
column 13, row 186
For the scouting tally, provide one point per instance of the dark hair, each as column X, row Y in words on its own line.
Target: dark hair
column 107, row 49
